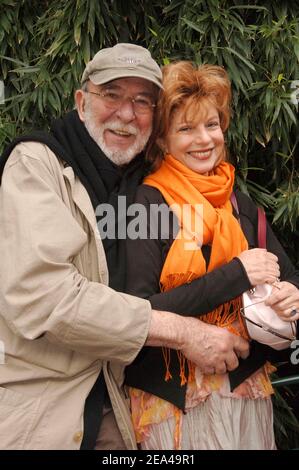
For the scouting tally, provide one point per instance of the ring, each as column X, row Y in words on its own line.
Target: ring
column 293, row 312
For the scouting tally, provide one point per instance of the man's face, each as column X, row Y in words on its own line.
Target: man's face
column 121, row 132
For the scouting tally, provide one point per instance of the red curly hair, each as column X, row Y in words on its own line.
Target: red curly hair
column 192, row 89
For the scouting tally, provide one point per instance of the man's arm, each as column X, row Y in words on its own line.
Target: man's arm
column 212, row 349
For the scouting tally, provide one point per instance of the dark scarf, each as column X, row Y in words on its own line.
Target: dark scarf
column 103, row 180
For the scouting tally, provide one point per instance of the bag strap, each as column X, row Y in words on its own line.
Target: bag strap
column 234, row 202
column 261, row 228
column 261, row 221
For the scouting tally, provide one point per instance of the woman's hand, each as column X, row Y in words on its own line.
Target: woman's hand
column 284, row 300
column 260, row 265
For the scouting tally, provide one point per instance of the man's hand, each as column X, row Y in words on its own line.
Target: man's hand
column 211, row 348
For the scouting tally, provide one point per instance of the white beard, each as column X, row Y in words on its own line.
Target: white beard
column 117, row 156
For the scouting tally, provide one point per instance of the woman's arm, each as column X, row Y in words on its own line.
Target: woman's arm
column 249, row 221
column 145, row 261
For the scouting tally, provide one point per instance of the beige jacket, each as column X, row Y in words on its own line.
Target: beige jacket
column 59, row 322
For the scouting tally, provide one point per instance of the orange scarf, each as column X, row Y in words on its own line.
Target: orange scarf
column 208, row 221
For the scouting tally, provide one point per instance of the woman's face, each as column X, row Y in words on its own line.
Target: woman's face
column 198, row 144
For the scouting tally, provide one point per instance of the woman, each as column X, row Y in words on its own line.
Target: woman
column 201, row 272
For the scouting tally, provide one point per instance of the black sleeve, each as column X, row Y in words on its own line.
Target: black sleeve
column 287, row 270
column 145, row 262
column 249, row 222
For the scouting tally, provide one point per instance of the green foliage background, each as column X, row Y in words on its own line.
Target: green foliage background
column 44, row 46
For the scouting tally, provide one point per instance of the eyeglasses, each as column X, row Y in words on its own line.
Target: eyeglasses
column 266, row 328
column 114, row 100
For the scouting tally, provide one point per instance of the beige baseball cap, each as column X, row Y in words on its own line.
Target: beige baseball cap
column 121, row 61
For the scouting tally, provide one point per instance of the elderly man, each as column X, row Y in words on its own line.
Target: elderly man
column 68, row 331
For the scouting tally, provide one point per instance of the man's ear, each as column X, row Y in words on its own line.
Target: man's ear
column 80, row 104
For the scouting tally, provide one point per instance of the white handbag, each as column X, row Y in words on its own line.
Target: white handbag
column 262, row 322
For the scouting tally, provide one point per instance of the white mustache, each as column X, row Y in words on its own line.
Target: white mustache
column 116, row 126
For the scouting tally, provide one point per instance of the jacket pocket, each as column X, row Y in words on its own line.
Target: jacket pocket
column 17, row 414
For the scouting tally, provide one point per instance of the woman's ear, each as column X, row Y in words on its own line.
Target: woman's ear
column 162, row 145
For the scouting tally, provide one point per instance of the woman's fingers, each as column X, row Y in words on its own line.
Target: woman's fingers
column 260, row 265
column 284, row 299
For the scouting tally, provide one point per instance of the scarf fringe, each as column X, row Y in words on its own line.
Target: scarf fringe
column 176, row 280
column 178, row 429
column 226, row 316
column 166, row 355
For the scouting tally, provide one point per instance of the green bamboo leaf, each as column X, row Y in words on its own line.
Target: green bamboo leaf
column 290, row 112
column 173, row 6
column 28, row 23
column 52, row 101
column 29, row 69
column 276, row 112
column 91, row 19
column 268, row 97
column 280, row 211
column 57, row 98
column 45, row 98
column 233, row 70
column 40, row 100
column 8, row 3
column 57, row 44
column 251, row 66
column 5, row 24
column 193, row 25
column 214, row 40
column 247, row 7
column 15, row 61
column 258, row 85
column 86, row 50
column 77, row 34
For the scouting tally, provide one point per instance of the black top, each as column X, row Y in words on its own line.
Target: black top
column 145, row 258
